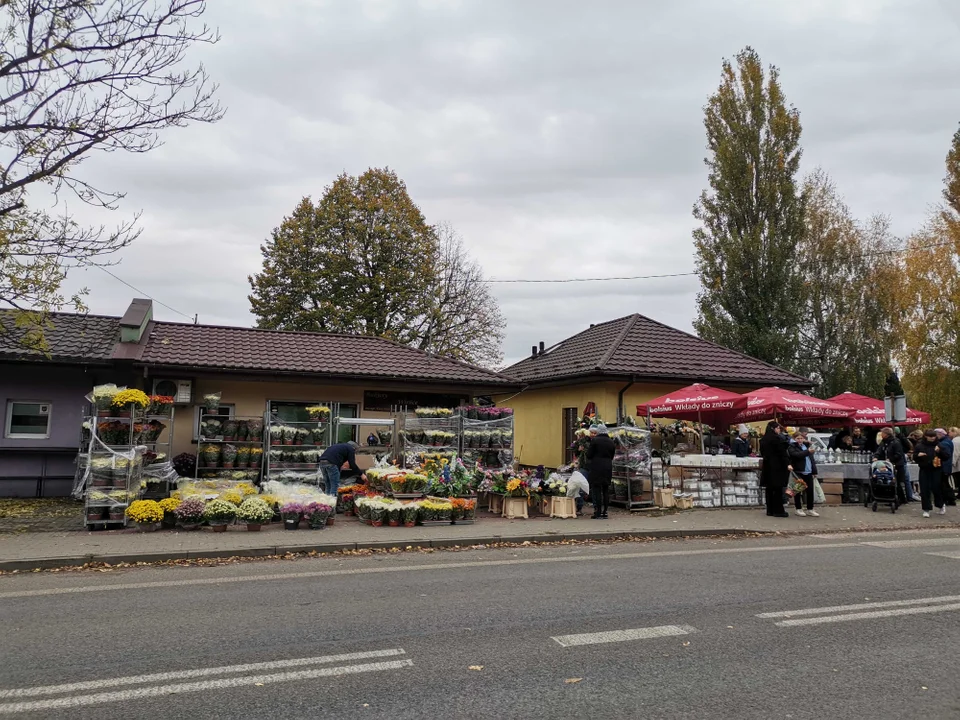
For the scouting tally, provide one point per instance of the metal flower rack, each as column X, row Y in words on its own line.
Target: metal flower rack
column 424, row 437
column 294, row 448
column 231, row 449
column 114, row 467
column 632, row 468
column 487, row 440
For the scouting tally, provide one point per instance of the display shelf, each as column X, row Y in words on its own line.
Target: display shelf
column 223, row 455
column 287, row 441
column 632, row 468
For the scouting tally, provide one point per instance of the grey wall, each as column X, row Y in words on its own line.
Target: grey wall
column 46, row 467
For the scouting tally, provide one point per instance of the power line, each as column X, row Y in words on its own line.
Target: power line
column 893, row 251
column 120, row 279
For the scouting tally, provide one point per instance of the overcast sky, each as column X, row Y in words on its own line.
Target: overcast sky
column 560, row 138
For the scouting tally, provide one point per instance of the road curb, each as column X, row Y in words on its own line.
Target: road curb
column 28, row 564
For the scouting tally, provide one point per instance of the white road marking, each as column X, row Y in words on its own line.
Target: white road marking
column 860, row 606
column 952, row 554
column 410, row 568
column 868, row 615
column 623, row 635
column 187, row 674
column 920, row 542
column 219, row 684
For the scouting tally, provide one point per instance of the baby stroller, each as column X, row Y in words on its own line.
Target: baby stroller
column 883, row 485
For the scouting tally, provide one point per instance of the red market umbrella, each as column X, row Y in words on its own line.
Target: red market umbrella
column 870, row 412
column 697, row 402
column 789, row 406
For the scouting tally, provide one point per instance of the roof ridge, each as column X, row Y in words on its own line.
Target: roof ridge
column 557, row 344
column 724, row 347
column 616, row 344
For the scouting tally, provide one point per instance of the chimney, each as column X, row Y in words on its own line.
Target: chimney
column 135, row 320
column 541, row 347
column 533, row 351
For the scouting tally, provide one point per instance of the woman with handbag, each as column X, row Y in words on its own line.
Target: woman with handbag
column 925, row 455
column 804, row 465
column 776, row 468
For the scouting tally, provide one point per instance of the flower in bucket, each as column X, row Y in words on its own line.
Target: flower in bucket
column 190, row 511
column 130, row 397
column 254, row 511
column 220, row 512
column 145, row 511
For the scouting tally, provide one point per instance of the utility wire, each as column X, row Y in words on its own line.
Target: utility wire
column 893, row 251
column 120, row 279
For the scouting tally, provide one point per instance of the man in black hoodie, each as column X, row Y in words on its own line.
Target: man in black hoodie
column 600, row 456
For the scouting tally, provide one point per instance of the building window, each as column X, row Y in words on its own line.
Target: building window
column 28, row 420
column 224, row 412
column 571, row 421
column 347, row 433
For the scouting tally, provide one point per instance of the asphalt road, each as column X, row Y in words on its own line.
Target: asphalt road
column 672, row 629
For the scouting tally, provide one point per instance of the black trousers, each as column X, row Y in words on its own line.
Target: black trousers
column 931, row 483
column 807, row 494
column 600, row 495
column 774, row 496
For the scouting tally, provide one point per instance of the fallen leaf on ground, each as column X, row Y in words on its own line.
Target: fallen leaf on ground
column 259, row 684
column 476, row 667
column 570, row 681
column 686, row 644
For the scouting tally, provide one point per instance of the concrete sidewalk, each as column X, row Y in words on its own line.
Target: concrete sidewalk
column 58, row 549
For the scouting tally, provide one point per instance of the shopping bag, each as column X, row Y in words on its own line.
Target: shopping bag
column 818, row 497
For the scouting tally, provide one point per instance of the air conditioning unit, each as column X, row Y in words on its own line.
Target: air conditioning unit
column 180, row 390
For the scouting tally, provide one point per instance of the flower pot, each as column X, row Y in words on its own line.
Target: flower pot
column 393, row 523
column 410, row 524
column 100, row 481
column 116, row 516
column 227, row 465
column 290, row 524
column 219, row 528
column 288, row 441
column 147, row 527
column 377, row 523
column 330, row 520
column 229, row 438
column 189, row 527
column 253, row 527
column 94, row 515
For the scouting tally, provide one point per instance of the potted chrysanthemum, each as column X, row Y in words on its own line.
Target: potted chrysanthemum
column 220, row 513
column 146, row 514
column 190, row 513
column 254, row 512
column 291, row 514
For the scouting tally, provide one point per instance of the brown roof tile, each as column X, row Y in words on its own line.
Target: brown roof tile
column 303, row 353
column 70, row 338
column 637, row 345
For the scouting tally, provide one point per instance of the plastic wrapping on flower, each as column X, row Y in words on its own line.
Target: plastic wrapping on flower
column 107, row 467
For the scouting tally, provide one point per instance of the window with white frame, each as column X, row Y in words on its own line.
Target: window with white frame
column 28, row 420
column 224, row 412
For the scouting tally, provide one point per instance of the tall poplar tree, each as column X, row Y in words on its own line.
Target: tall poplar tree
column 752, row 216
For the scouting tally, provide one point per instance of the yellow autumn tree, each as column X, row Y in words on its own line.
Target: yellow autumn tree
column 930, row 322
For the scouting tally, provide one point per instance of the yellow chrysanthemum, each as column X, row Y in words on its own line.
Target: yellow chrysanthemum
column 169, row 504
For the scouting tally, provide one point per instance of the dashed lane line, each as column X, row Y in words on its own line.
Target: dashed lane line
column 613, row 636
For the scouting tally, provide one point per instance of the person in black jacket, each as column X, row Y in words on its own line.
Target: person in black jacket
column 801, row 454
column 776, row 468
column 600, row 456
column 741, row 443
column 891, row 450
column 925, row 453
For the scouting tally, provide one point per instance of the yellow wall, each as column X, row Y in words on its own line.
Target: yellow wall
column 538, row 413
column 250, row 400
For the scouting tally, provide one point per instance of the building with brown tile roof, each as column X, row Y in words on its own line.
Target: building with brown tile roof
column 617, row 365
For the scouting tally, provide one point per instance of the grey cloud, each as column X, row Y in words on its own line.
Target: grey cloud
column 560, row 138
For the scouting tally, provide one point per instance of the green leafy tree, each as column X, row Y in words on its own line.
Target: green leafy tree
column 752, row 216
column 845, row 339
column 363, row 260
column 78, row 78
column 930, row 322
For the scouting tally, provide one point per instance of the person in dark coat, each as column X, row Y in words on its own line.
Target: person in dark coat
column 891, row 450
column 858, row 439
column 741, row 443
column 600, row 456
column 776, row 468
column 801, row 454
column 925, row 455
column 945, row 453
